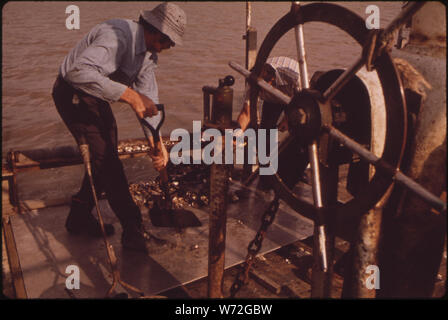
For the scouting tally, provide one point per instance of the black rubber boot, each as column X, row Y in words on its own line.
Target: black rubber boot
column 136, row 238
column 81, row 221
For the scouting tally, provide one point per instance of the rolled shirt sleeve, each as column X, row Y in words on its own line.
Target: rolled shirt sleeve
column 146, row 84
column 89, row 72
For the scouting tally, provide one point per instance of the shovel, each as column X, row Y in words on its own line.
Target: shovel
column 162, row 213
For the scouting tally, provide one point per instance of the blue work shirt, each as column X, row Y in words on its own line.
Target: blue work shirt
column 110, row 58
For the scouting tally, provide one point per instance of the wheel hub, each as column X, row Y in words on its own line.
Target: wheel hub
column 306, row 114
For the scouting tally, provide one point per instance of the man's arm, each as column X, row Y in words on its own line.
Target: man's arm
column 142, row 105
column 244, row 116
column 145, row 84
column 89, row 72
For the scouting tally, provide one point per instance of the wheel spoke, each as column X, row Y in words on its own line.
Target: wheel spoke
column 261, row 83
column 301, row 54
column 318, row 203
column 379, row 164
column 343, row 80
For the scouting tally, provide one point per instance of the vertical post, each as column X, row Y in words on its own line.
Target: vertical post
column 219, row 180
column 219, row 186
column 322, row 281
column 301, row 55
column 321, row 276
column 251, row 39
column 322, row 273
column 13, row 259
column 251, row 55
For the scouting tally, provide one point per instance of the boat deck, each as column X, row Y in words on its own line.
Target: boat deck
column 45, row 249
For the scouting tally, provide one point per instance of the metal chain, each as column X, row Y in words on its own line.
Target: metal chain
column 255, row 246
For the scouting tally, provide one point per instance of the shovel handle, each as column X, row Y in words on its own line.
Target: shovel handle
column 163, row 177
column 147, row 126
column 163, row 172
column 149, row 130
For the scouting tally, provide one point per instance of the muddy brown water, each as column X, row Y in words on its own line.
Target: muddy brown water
column 35, row 41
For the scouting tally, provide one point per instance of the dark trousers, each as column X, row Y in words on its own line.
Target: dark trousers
column 93, row 118
column 293, row 159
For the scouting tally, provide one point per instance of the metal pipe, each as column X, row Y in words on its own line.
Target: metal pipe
column 248, row 14
column 219, row 186
column 263, row 84
column 320, row 250
column 46, row 158
column 251, row 55
column 302, row 57
column 322, row 279
column 251, row 38
column 398, row 176
column 301, row 54
column 13, row 259
column 343, row 79
column 314, row 162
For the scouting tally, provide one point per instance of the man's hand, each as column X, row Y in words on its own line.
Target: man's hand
column 142, row 105
column 159, row 156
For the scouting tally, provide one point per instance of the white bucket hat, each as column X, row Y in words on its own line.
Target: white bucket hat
column 169, row 19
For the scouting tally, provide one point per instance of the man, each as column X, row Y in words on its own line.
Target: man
column 282, row 73
column 115, row 61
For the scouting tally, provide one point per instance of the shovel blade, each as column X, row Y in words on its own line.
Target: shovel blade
column 173, row 218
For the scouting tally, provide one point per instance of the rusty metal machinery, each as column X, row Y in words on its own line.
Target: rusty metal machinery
column 392, row 90
column 339, row 128
column 219, row 117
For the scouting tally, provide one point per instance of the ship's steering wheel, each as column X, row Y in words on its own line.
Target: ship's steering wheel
column 316, row 102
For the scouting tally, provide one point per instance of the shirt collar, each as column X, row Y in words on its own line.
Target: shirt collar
column 140, row 45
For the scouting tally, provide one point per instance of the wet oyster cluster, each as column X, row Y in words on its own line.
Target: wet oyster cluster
column 132, row 148
column 188, row 186
column 139, row 145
